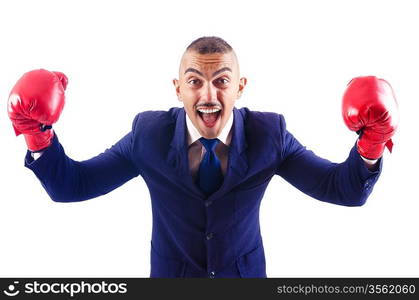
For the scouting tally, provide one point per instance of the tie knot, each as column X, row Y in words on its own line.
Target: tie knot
column 209, row 144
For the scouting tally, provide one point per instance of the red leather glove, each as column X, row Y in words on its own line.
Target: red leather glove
column 35, row 103
column 369, row 107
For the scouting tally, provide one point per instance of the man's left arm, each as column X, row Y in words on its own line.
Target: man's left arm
column 369, row 107
column 348, row 183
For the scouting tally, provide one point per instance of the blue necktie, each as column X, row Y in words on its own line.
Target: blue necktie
column 210, row 176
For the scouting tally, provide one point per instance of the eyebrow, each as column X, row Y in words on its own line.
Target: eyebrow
column 213, row 74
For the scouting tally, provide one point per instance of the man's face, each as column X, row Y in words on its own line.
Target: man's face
column 208, row 86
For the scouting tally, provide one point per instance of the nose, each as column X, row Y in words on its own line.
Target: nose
column 209, row 94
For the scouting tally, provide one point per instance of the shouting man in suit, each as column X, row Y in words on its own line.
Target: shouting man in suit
column 206, row 165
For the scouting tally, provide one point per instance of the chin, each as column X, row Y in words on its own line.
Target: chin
column 211, row 135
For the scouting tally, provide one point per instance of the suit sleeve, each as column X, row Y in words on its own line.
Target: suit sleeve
column 348, row 183
column 67, row 180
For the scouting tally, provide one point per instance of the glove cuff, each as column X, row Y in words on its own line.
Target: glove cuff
column 39, row 141
column 370, row 150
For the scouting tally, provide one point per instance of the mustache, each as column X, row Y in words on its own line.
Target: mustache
column 208, row 104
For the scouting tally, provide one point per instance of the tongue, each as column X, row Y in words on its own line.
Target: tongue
column 210, row 118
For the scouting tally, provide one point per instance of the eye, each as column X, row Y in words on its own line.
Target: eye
column 222, row 81
column 194, row 81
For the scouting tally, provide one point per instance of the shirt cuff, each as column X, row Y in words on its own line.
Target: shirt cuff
column 36, row 155
column 369, row 161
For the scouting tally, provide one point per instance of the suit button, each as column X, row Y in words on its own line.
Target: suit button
column 209, row 236
column 208, row 203
column 212, row 274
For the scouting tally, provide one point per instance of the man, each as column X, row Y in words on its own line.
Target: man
column 207, row 164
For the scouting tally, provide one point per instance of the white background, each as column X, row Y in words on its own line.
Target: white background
column 120, row 58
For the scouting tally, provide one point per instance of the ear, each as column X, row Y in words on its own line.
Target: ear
column 242, row 84
column 177, row 88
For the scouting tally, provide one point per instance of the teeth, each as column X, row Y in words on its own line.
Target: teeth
column 208, row 111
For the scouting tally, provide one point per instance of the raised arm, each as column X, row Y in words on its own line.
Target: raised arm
column 369, row 107
column 35, row 103
column 348, row 183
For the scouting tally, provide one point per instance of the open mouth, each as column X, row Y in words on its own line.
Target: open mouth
column 209, row 115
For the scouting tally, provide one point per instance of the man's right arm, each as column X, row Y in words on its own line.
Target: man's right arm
column 67, row 180
column 35, row 104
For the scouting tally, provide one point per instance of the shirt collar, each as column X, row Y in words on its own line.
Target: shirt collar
column 224, row 137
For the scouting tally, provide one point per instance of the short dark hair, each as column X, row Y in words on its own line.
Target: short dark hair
column 209, row 45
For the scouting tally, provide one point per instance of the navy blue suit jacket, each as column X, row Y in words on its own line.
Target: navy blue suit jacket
column 194, row 235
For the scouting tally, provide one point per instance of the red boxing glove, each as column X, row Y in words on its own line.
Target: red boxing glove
column 369, row 107
column 35, row 103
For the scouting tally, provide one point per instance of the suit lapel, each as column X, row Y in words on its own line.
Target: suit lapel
column 177, row 156
column 237, row 160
